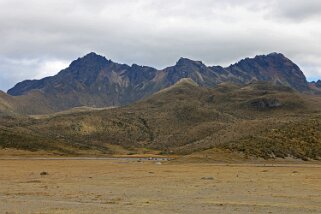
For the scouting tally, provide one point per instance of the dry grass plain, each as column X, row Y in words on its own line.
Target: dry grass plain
column 131, row 186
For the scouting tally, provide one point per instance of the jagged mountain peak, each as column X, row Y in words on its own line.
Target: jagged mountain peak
column 274, row 67
column 263, row 57
column 188, row 62
column 90, row 58
column 275, row 54
column 93, row 55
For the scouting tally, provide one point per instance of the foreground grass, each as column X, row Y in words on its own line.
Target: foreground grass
column 122, row 186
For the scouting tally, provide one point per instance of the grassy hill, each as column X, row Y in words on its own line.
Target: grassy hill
column 5, row 105
column 33, row 103
column 259, row 119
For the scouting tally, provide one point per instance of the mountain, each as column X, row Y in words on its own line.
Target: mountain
column 318, row 83
column 258, row 119
column 95, row 81
column 274, row 67
column 315, row 87
column 90, row 81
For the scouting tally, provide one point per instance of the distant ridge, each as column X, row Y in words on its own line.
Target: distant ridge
column 95, row 81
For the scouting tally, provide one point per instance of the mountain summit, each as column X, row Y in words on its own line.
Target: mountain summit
column 95, row 81
column 274, row 67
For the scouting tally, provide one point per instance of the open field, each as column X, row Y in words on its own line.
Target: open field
column 132, row 186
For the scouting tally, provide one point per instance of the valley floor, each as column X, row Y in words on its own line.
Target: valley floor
column 142, row 186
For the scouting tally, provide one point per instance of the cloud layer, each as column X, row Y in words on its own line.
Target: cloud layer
column 40, row 37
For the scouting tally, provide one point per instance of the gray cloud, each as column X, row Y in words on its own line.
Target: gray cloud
column 298, row 10
column 39, row 36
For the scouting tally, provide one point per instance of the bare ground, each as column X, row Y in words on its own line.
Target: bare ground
column 132, row 186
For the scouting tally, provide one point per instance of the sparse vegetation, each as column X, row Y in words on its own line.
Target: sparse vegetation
column 181, row 120
column 44, row 173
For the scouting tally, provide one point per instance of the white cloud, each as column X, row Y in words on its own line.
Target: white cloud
column 50, row 68
column 13, row 70
column 155, row 32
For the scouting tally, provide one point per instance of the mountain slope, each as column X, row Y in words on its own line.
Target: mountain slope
column 185, row 118
column 95, row 81
column 274, row 67
column 90, row 81
column 5, row 107
column 33, row 103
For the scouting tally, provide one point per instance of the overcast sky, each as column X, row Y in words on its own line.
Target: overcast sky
column 41, row 37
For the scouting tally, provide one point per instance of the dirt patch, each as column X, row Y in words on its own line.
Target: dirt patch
column 128, row 186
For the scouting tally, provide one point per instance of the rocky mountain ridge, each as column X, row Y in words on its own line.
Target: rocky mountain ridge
column 95, row 81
